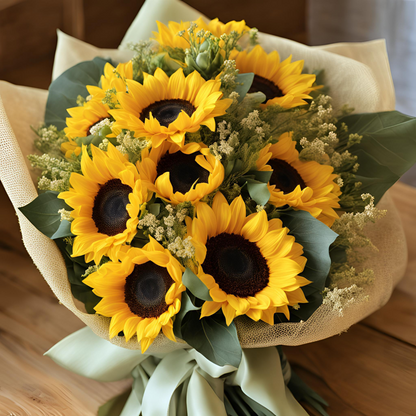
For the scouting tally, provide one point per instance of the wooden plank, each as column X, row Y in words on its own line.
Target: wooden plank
column 337, row 404
column 365, row 372
column 34, row 385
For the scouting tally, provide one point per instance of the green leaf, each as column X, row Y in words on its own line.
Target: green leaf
column 338, row 254
column 259, row 175
column 320, row 80
column 76, row 267
column 302, row 392
column 245, row 81
column 258, row 191
column 229, row 168
column 154, row 209
column 212, row 338
column 233, row 166
column 186, row 306
column 140, row 240
column 64, row 230
column 256, row 182
column 228, row 405
column 85, row 295
column 42, row 212
column 387, row 149
column 256, row 408
column 235, row 402
column 194, row 284
column 65, row 89
column 316, row 239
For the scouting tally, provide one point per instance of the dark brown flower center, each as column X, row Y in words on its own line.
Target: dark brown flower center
column 284, row 176
column 109, row 211
column 183, row 170
column 146, row 288
column 267, row 87
column 236, row 264
column 167, row 111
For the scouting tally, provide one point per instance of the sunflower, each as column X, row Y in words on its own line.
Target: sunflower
column 282, row 82
column 69, row 148
column 166, row 108
column 114, row 79
column 141, row 293
column 168, row 35
column 218, row 28
column 84, row 118
column 180, row 174
column 306, row 186
column 250, row 265
column 106, row 200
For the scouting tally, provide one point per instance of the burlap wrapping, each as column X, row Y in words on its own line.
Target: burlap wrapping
column 351, row 82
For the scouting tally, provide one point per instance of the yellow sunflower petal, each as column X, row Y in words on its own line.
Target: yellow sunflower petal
column 236, row 244
column 197, row 101
column 209, row 308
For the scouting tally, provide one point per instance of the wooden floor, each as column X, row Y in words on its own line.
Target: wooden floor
column 370, row 370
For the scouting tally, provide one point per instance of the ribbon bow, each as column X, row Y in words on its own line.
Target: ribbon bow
column 182, row 382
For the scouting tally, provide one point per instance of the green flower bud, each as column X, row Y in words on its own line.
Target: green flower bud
column 218, row 61
column 96, row 140
column 204, row 46
column 191, row 63
column 104, row 132
column 203, row 61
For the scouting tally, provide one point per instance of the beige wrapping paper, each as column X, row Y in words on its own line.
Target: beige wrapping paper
column 366, row 85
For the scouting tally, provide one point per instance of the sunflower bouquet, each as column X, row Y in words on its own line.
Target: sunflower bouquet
column 204, row 203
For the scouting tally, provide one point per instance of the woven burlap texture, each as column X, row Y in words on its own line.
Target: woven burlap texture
column 21, row 107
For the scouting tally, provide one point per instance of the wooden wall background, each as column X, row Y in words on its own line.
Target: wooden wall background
column 28, row 27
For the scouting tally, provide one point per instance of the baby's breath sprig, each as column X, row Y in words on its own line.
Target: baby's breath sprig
column 350, row 229
column 65, row 215
column 228, row 141
column 55, row 172
column 144, row 51
column 169, row 229
column 229, row 78
column 342, row 274
column 49, row 139
column 340, row 299
column 131, row 146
